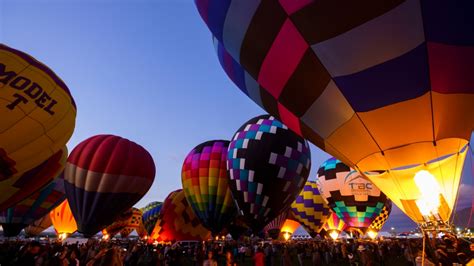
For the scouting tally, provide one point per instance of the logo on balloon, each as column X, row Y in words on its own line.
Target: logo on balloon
column 30, row 91
column 358, row 184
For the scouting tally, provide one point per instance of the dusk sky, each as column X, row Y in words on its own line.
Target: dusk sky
column 145, row 70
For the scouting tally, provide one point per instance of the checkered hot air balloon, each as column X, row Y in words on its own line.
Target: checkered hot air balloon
column 105, row 175
column 37, row 118
column 134, row 223
column 14, row 219
column 177, row 221
column 349, row 194
column 268, row 165
column 378, row 223
column 310, row 209
column 119, row 224
column 206, row 185
column 384, row 86
column 150, row 215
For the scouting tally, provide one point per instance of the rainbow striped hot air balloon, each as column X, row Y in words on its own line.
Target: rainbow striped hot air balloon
column 205, row 185
column 37, row 118
column 177, row 221
column 63, row 221
column 150, row 215
column 334, row 225
column 105, row 175
column 14, row 219
column 310, row 209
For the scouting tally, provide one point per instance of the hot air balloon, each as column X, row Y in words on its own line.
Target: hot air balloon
column 177, row 221
column 38, row 226
column 273, row 227
column 150, row 215
column 380, row 220
column 119, row 224
column 105, row 175
column 134, row 223
column 349, row 194
column 268, row 165
column 38, row 116
column 63, row 220
column 13, row 190
column 205, row 185
column 334, row 226
column 14, row 219
column 288, row 228
column 310, row 209
column 385, row 87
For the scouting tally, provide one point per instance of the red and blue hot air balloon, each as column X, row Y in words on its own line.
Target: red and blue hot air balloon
column 105, row 175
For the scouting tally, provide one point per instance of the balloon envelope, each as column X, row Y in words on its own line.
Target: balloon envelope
column 150, row 215
column 63, row 220
column 380, row 220
column 134, row 223
column 310, row 209
column 327, row 87
column 177, row 221
column 32, row 180
column 205, row 185
column 273, row 227
column 334, row 223
column 354, row 199
column 105, row 175
column 34, row 207
column 38, row 117
column 268, row 165
column 38, row 226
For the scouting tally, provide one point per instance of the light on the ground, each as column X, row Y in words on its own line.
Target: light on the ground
column 334, row 234
column 372, row 234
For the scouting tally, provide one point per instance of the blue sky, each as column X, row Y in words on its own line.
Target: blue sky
column 142, row 69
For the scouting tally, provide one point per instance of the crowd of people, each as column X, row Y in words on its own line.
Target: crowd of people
column 445, row 251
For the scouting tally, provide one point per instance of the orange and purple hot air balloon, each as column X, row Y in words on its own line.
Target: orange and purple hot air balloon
column 105, row 175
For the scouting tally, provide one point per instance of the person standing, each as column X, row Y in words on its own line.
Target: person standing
column 210, row 259
column 259, row 257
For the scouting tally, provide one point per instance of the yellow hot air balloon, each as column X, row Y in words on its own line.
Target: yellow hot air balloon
column 37, row 117
column 63, row 220
column 288, row 228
